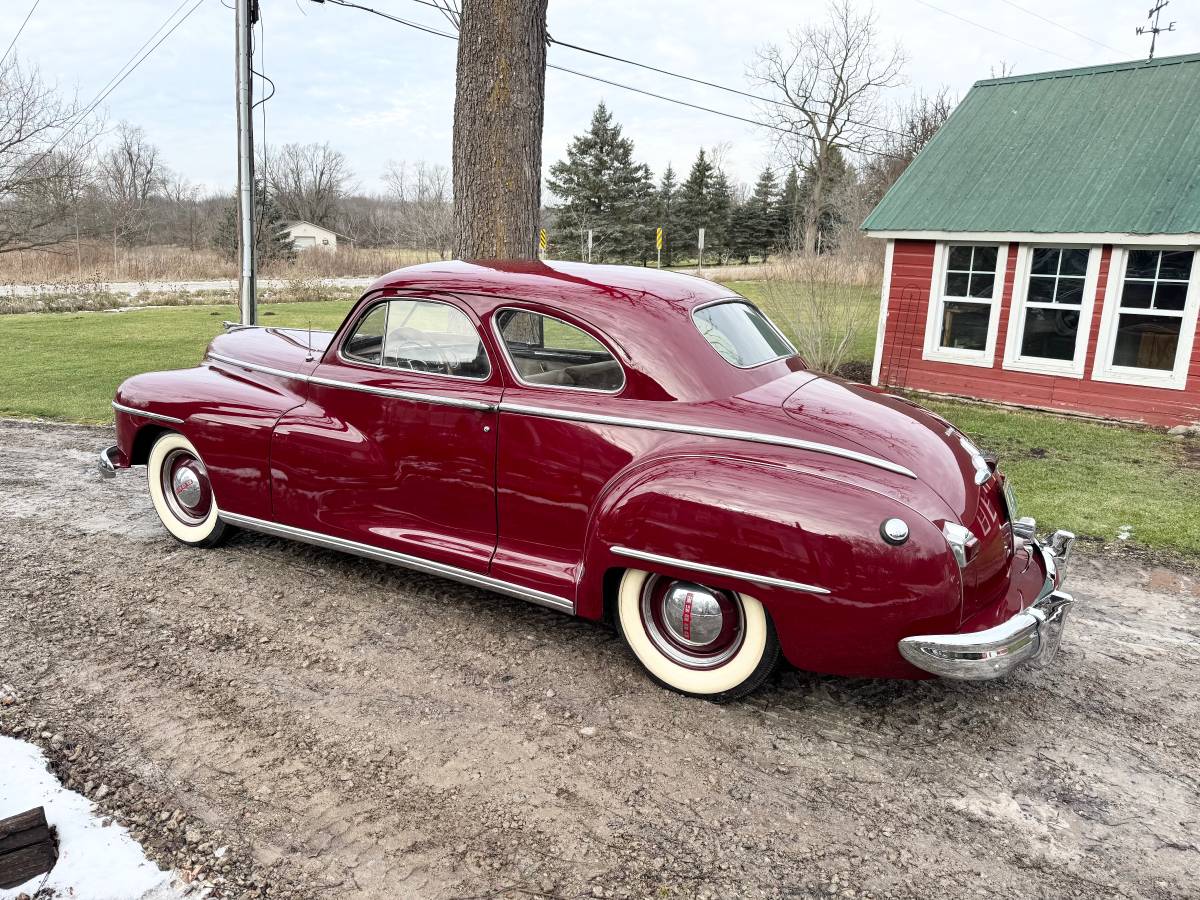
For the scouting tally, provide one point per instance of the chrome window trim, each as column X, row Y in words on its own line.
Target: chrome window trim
column 355, row 361
column 719, row 570
column 148, row 415
column 745, row 302
column 408, row 561
column 552, row 387
column 459, row 402
column 750, row 436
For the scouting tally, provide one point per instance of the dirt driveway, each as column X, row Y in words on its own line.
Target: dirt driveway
column 278, row 720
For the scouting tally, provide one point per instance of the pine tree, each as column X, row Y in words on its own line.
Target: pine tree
column 695, row 201
column 668, row 213
column 838, row 176
column 270, row 241
column 759, row 216
column 786, row 223
column 721, row 206
column 603, row 189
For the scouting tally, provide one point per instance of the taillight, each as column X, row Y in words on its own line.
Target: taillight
column 963, row 543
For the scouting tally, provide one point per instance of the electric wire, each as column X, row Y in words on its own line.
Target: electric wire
column 13, row 42
column 617, row 84
column 115, row 82
column 987, row 28
column 1065, row 28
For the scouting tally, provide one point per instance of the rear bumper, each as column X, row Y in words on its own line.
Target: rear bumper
column 1032, row 636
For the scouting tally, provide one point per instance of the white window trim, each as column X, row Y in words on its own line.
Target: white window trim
column 1103, row 370
column 933, row 322
column 1070, row 368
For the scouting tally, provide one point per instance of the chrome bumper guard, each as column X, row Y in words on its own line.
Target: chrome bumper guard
column 1032, row 636
column 107, row 464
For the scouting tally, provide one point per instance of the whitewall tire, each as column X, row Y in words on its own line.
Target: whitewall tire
column 181, row 492
column 700, row 641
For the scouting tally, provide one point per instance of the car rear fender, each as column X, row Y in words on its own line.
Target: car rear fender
column 807, row 545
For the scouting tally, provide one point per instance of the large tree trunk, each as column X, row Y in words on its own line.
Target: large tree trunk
column 498, row 106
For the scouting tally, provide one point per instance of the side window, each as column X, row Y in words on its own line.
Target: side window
column 547, row 351
column 366, row 344
column 420, row 336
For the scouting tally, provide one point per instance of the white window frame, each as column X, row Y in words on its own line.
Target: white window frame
column 937, row 304
column 1070, row 368
column 1104, row 370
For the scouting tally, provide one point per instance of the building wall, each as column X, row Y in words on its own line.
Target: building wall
column 901, row 364
column 307, row 237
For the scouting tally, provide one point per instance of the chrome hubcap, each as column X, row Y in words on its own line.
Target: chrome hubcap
column 187, row 487
column 692, row 615
column 690, row 624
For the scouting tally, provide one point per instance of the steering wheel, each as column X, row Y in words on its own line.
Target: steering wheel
column 418, row 338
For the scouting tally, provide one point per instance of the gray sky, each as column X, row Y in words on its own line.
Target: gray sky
column 378, row 91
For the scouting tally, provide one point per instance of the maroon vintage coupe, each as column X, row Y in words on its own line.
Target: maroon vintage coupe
column 623, row 444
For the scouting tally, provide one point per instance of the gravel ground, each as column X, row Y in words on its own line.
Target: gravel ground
column 275, row 720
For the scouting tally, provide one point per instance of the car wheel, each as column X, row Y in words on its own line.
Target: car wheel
column 182, row 494
column 696, row 640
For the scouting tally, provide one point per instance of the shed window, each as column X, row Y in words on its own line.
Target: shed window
column 1052, row 306
column 1150, row 329
column 962, row 323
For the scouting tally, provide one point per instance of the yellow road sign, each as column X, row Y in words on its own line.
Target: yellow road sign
column 658, row 238
column 542, row 239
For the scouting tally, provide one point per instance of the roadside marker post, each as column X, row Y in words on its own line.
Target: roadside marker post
column 542, row 243
column 700, row 246
column 589, row 245
column 658, row 244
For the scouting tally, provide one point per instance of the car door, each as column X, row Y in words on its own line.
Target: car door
column 396, row 445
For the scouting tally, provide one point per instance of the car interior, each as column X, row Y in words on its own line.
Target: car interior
column 548, row 351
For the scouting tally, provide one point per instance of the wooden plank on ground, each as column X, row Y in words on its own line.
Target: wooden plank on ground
column 28, row 847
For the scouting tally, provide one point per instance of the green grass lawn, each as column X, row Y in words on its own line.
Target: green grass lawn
column 1068, row 473
column 68, row 365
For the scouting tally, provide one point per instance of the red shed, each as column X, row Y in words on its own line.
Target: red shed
column 1041, row 250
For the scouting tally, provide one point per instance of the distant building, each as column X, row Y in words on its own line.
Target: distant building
column 307, row 236
column 1042, row 249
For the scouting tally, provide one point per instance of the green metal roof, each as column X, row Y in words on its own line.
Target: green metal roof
column 1104, row 149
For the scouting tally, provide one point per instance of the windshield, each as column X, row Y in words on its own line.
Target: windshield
column 741, row 334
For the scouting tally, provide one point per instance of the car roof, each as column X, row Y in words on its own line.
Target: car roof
column 578, row 288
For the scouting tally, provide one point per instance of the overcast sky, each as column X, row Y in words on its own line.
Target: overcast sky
column 378, row 91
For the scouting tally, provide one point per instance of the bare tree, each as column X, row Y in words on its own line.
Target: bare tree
column 499, row 103
column 912, row 126
column 425, row 217
column 828, row 84
column 309, row 181
column 45, row 141
column 131, row 177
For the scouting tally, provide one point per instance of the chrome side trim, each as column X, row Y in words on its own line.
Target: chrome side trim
column 731, row 434
column 416, row 563
column 719, row 570
column 148, row 415
column 459, row 402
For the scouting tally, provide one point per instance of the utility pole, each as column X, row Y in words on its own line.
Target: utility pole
column 246, row 17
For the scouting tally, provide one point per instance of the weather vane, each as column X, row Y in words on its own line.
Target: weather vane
column 1155, row 29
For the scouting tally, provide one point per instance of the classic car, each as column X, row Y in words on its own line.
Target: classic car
column 628, row 445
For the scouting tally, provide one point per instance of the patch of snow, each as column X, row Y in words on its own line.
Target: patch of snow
column 94, row 862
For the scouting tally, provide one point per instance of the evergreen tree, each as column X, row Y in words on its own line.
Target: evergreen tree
column 838, row 177
column 695, row 202
column 270, row 242
column 759, row 216
column 721, row 205
column 786, row 224
column 603, row 189
column 668, row 214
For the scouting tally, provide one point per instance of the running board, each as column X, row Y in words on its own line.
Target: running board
column 416, row 563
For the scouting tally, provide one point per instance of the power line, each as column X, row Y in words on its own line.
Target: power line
column 115, row 82
column 13, row 42
column 617, row 84
column 1065, row 28
column 1007, row 37
column 711, row 84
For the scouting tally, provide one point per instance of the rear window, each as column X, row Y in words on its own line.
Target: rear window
column 741, row 334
